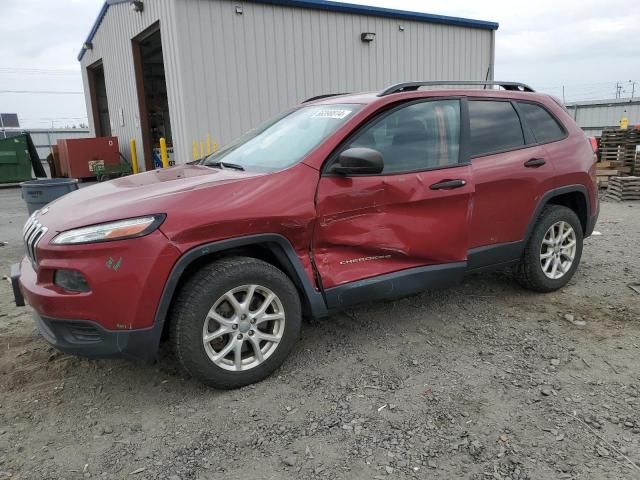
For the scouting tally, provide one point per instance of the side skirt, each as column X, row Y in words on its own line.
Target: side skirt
column 395, row 285
column 492, row 257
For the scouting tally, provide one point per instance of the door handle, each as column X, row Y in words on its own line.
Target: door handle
column 535, row 163
column 448, row 184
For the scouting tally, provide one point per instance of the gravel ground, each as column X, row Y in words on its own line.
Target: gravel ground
column 481, row 381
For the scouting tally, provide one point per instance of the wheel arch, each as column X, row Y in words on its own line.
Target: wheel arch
column 574, row 197
column 271, row 248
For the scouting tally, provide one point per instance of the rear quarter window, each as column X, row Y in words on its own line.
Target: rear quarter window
column 543, row 126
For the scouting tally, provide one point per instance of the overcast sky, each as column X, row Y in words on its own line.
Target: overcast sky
column 586, row 45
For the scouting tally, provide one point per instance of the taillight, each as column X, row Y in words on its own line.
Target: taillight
column 594, row 146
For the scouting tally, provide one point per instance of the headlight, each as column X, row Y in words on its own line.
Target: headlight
column 105, row 232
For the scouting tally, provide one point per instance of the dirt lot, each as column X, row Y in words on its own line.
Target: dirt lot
column 482, row 381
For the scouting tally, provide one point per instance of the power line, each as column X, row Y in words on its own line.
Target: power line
column 45, row 92
column 36, row 71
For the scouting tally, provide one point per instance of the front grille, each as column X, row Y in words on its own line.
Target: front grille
column 32, row 233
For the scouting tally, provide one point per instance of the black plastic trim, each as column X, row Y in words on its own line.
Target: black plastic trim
column 395, row 285
column 490, row 256
column 15, row 285
column 130, row 344
column 554, row 193
column 278, row 245
column 591, row 222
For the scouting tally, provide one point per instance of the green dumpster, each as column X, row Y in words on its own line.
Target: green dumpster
column 15, row 161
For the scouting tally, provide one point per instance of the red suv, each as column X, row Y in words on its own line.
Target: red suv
column 341, row 200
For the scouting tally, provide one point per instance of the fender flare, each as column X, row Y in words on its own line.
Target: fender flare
column 544, row 200
column 277, row 244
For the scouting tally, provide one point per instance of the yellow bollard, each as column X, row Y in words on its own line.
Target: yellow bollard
column 208, row 144
column 201, row 149
column 163, row 153
column 215, row 147
column 195, row 150
column 134, row 156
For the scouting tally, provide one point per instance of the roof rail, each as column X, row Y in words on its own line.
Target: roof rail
column 320, row 97
column 413, row 86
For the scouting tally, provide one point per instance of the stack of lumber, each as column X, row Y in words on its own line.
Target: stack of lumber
column 608, row 169
column 617, row 145
column 624, row 188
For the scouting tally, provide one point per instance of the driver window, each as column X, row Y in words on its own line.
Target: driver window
column 420, row 136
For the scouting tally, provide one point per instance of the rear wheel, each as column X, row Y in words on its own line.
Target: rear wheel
column 553, row 251
column 235, row 321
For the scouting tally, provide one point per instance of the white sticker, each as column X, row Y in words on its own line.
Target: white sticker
column 333, row 113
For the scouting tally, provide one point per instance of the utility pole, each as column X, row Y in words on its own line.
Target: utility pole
column 563, row 99
column 633, row 88
column 618, row 89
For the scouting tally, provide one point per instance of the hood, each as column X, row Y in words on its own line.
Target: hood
column 147, row 193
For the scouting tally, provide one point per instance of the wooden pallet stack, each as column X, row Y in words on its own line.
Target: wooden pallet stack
column 624, row 188
column 617, row 154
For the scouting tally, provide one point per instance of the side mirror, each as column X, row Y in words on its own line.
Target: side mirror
column 359, row 161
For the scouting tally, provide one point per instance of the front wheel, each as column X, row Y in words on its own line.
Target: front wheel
column 235, row 321
column 553, row 251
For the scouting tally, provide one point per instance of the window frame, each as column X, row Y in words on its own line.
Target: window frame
column 464, row 158
column 523, row 120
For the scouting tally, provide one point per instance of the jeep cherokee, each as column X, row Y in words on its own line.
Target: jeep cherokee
column 341, row 200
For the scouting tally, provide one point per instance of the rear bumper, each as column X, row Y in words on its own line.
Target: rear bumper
column 88, row 339
column 591, row 222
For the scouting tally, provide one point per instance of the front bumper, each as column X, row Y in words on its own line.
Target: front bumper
column 15, row 285
column 88, row 339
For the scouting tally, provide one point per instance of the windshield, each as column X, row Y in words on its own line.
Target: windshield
column 284, row 141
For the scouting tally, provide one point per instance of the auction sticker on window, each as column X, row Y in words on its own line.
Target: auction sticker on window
column 338, row 114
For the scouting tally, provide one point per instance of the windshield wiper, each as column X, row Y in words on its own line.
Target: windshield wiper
column 233, row 166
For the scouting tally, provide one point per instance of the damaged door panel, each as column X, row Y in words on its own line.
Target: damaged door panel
column 413, row 213
column 370, row 226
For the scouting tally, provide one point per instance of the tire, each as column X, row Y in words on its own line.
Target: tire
column 193, row 317
column 530, row 272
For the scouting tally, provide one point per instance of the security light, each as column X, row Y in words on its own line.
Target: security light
column 88, row 46
column 136, row 5
column 367, row 36
column 239, row 9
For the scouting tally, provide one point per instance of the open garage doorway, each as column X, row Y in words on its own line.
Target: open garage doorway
column 99, row 103
column 152, row 95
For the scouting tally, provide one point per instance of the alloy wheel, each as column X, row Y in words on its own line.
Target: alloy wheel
column 243, row 327
column 558, row 250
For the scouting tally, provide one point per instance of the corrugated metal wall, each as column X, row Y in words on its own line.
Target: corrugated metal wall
column 242, row 69
column 593, row 116
column 112, row 45
column 227, row 72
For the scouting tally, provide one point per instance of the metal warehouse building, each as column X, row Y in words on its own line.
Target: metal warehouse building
column 594, row 116
column 187, row 70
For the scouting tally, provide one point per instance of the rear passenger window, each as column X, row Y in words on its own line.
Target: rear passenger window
column 495, row 127
column 416, row 137
column 544, row 127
